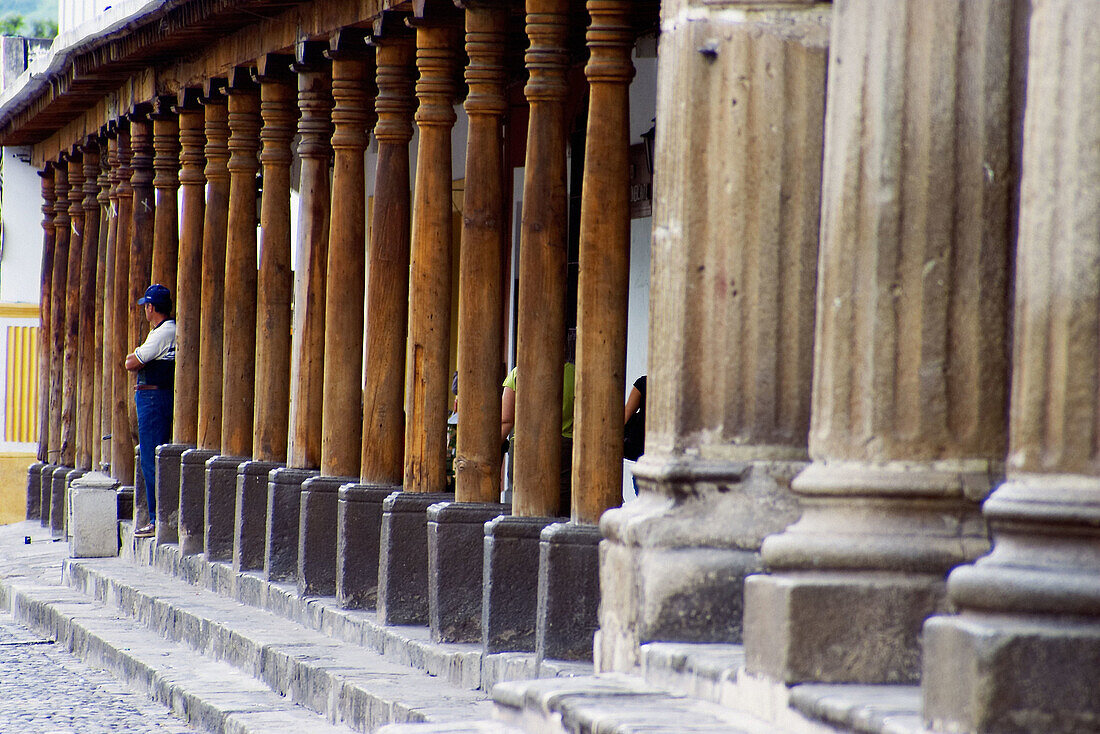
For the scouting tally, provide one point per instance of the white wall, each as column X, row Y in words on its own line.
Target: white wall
column 71, row 13
column 20, row 228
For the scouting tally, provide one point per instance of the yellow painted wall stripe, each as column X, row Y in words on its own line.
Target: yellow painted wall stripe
column 21, row 383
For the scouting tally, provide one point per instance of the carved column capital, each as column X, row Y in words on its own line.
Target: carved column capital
column 486, row 42
column 547, row 56
column 436, row 57
column 91, row 152
column 141, row 148
column 166, row 147
column 216, row 128
column 49, row 196
column 192, row 135
column 395, row 102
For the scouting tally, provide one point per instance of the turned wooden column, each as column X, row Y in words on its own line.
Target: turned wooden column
column 239, row 324
column 101, row 385
column 383, row 417
column 275, row 280
column 89, row 262
column 189, row 285
column 307, row 354
column 215, row 220
column 604, row 265
column 541, row 329
column 70, row 367
column 142, row 228
column 341, row 430
column 122, row 445
column 907, row 429
column 484, row 233
column 166, row 182
column 45, row 340
column 426, row 403
column 62, row 231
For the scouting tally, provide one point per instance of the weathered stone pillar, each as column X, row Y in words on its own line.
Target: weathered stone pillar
column 907, row 430
column 512, row 543
column 239, row 321
column 122, row 444
column 403, row 562
column 101, row 386
column 89, row 261
column 273, row 292
column 456, row 530
column 307, row 348
column 192, row 517
column 342, row 415
column 36, row 510
column 1022, row 652
column 359, row 512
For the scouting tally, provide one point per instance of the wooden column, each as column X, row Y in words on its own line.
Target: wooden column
column 166, row 182
column 45, row 341
column 122, row 446
column 341, row 430
column 142, row 227
column 71, row 372
column 239, row 324
column 383, row 453
column 275, row 285
column 101, row 385
column 215, row 220
column 307, row 354
column 189, row 285
column 484, row 233
column 430, row 281
column 62, row 231
column 89, row 262
column 541, row 331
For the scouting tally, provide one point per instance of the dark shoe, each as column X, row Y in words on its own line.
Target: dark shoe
column 146, row 532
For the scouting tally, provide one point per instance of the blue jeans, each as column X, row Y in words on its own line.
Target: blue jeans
column 154, row 416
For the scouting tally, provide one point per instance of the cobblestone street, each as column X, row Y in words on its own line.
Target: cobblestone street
column 45, row 690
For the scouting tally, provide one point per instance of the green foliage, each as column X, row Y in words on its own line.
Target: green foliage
column 14, row 24
column 11, row 25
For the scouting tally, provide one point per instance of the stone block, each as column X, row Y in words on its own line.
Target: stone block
column 34, row 491
column 456, row 533
column 221, row 501
column 403, row 557
column 141, row 500
column 192, row 503
column 250, row 515
column 510, row 583
column 317, row 535
column 57, row 500
column 838, row 627
column 93, row 516
column 284, row 500
column 567, row 615
column 358, row 539
column 45, row 488
column 169, row 456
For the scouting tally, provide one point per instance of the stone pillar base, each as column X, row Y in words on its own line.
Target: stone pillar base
column 221, row 501
column 456, row 532
column 71, row 477
column 403, row 557
column 317, row 535
column 839, row 627
column 250, row 515
column 192, row 508
column 34, row 491
column 284, row 501
column 125, row 496
column 93, row 516
column 567, row 615
column 359, row 537
column 510, row 588
column 59, row 488
column 141, row 501
column 169, row 457
column 45, row 488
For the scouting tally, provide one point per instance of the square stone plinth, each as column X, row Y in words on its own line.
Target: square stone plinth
column 250, row 518
column 403, row 557
column 568, row 592
column 1004, row 675
column 221, row 501
column 34, row 491
column 192, row 509
column 284, row 503
column 456, row 532
column 317, row 535
column 838, row 627
column 93, row 516
column 62, row 480
column 169, row 457
column 359, row 536
column 45, row 488
column 510, row 588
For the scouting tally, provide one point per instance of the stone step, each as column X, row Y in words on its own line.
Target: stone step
column 342, row 682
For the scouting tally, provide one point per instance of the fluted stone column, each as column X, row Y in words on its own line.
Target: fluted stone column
column 89, row 262
column 359, row 512
column 36, row 510
column 239, row 320
column 728, row 404
column 122, row 445
column 907, row 429
column 192, row 517
column 403, row 563
column 307, row 348
column 1022, row 652
column 101, row 386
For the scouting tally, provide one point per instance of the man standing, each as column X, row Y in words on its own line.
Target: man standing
column 155, row 364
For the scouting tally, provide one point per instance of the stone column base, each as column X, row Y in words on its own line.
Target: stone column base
column 221, row 506
column 567, row 615
column 169, row 457
column 403, row 557
column 45, row 488
column 317, row 535
column 125, row 496
column 456, row 532
column 93, row 516
column 141, row 501
column 192, row 508
column 284, row 501
column 34, row 491
column 250, row 515
column 510, row 588
column 358, row 539
column 839, row 627
column 58, row 487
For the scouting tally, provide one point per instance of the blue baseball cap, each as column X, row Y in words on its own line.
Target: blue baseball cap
column 158, row 296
